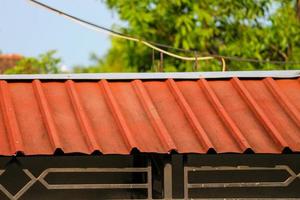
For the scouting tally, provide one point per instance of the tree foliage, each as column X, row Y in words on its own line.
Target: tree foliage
column 45, row 63
column 262, row 29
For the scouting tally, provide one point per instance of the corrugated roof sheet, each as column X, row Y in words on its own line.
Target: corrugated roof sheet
column 116, row 116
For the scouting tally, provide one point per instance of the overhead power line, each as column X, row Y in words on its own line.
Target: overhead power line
column 114, row 33
column 154, row 45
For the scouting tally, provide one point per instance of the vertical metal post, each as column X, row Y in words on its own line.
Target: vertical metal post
column 153, row 61
column 149, row 179
column 168, row 180
column 161, row 66
column 186, row 182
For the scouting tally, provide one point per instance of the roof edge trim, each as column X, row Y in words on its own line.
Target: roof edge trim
column 165, row 75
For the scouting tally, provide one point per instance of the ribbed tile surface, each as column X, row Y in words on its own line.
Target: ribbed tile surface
column 115, row 117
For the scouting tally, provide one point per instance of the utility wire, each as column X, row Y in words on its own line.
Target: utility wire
column 114, row 33
column 155, row 45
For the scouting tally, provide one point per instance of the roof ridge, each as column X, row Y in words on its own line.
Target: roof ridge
column 157, row 75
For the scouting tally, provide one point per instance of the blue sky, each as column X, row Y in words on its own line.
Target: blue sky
column 30, row 30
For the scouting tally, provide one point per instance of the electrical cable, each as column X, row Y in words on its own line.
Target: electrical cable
column 116, row 34
column 155, row 45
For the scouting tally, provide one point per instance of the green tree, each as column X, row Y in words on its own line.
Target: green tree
column 263, row 30
column 44, row 64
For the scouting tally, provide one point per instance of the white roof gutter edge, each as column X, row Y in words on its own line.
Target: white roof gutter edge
column 164, row 75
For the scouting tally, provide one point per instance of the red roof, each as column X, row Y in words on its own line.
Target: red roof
column 8, row 61
column 116, row 116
